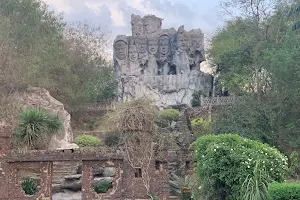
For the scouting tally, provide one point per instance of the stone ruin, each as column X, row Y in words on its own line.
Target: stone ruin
column 163, row 64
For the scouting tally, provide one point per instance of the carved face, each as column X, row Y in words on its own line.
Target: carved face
column 152, row 46
column 133, row 54
column 121, row 49
column 164, row 44
column 138, row 28
column 141, row 45
column 148, row 27
column 182, row 42
column 196, row 42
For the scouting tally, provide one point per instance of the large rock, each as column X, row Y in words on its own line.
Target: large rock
column 109, row 171
column 73, row 183
column 41, row 98
column 162, row 64
column 103, row 179
column 98, row 171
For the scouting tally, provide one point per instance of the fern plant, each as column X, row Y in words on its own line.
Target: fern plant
column 256, row 185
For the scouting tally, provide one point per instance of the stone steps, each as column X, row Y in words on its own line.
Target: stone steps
column 61, row 169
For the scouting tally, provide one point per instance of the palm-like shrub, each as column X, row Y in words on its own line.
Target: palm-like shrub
column 30, row 186
column 256, row 185
column 34, row 127
column 182, row 186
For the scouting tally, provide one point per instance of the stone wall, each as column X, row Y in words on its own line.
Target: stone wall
column 125, row 184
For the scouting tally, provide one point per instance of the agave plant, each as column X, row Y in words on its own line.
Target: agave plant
column 35, row 125
column 30, row 186
column 182, row 186
column 256, row 185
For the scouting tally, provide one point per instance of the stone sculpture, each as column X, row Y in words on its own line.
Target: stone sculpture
column 163, row 64
column 137, row 25
column 152, row 24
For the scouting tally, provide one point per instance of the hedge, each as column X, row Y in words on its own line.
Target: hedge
column 284, row 191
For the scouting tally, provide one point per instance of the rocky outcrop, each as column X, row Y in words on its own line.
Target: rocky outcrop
column 41, row 98
column 161, row 64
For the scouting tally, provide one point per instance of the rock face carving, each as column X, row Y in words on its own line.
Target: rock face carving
column 162, row 64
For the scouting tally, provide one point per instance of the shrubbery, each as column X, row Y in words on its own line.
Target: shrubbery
column 87, row 141
column 102, row 186
column 196, row 100
column 284, row 191
column 30, row 186
column 226, row 161
column 112, row 139
column 201, row 126
column 165, row 117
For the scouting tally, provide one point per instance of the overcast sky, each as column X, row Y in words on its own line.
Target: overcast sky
column 115, row 14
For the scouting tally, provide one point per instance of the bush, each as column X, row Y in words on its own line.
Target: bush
column 35, row 126
column 225, row 162
column 102, row 186
column 284, row 191
column 201, row 126
column 29, row 186
column 112, row 139
column 196, row 98
column 293, row 164
column 87, row 141
column 165, row 117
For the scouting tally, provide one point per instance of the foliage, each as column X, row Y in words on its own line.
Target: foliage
column 293, row 164
column 38, row 49
column 30, row 186
column 86, row 44
column 258, row 56
column 165, row 117
column 225, row 161
column 182, row 186
column 137, row 115
column 284, row 191
column 35, row 127
column 87, row 141
column 112, row 139
column 201, row 126
column 196, row 98
column 102, row 186
column 256, row 185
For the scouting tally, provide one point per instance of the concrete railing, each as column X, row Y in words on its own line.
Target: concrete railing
column 218, row 101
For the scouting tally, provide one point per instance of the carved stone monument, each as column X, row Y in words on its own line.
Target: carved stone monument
column 161, row 64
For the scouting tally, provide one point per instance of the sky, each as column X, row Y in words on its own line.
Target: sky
column 115, row 15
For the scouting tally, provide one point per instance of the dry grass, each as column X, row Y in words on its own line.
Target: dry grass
column 133, row 116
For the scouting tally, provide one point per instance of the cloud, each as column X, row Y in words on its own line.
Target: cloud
column 115, row 15
column 60, row 5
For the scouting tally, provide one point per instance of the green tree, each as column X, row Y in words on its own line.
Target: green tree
column 270, row 113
